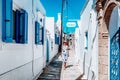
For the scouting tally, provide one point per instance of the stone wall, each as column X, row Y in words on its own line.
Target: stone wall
column 104, row 9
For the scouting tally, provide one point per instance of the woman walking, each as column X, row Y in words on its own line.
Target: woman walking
column 65, row 53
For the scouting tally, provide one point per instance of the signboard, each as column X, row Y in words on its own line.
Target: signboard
column 71, row 24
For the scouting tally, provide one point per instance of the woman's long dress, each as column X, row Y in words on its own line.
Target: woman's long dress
column 64, row 54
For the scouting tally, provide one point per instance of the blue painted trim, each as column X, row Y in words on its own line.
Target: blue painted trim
column 17, row 38
column 37, row 33
column 7, row 20
column 47, row 51
column 42, row 35
column 24, row 27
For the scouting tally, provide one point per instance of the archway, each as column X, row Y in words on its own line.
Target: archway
column 111, row 18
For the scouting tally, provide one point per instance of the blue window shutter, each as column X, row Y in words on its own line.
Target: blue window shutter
column 55, row 38
column 24, row 27
column 86, row 40
column 42, row 35
column 17, row 26
column 37, row 33
column 58, row 40
column 7, row 20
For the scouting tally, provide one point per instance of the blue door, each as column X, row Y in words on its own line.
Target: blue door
column 115, row 56
column 47, row 51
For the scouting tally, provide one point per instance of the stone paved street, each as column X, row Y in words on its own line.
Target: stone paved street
column 55, row 71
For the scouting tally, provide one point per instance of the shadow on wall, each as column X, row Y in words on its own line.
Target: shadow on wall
column 90, row 75
column 80, row 77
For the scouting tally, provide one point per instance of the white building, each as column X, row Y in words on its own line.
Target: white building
column 22, row 39
column 53, row 47
column 77, row 42
column 87, row 37
column 50, row 23
column 58, row 23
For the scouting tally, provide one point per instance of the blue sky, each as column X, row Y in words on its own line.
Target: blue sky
column 54, row 6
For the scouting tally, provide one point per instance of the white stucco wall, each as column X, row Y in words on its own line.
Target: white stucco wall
column 50, row 26
column 89, row 56
column 22, row 61
column 50, row 23
column 58, row 23
column 93, row 43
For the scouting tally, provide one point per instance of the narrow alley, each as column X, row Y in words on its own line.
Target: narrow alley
column 59, row 39
column 55, row 70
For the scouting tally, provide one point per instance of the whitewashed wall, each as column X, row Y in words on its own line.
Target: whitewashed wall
column 77, row 42
column 50, row 26
column 88, row 59
column 39, row 51
column 50, row 23
column 58, row 23
column 22, row 61
column 93, row 44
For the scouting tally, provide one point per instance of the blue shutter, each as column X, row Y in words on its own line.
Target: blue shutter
column 55, row 38
column 42, row 35
column 86, row 40
column 37, row 33
column 7, row 20
column 24, row 27
column 58, row 40
column 17, row 26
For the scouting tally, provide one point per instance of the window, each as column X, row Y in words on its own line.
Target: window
column 39, row 33
column 86, row 36
column 21, row 26
column 43, row 31
column 57, row 39
column 15, row 24
column 42, row 34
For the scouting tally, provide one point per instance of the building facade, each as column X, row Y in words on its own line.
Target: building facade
column 108, row 12
column 86, row 42
column 99, row 33
column 52, row 38
column 22, row 49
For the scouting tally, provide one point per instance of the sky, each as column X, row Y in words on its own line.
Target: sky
column 53, row 7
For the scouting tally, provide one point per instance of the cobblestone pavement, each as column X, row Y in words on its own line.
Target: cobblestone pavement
column 52, row 71
column 72, row 72
column 55, row 71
